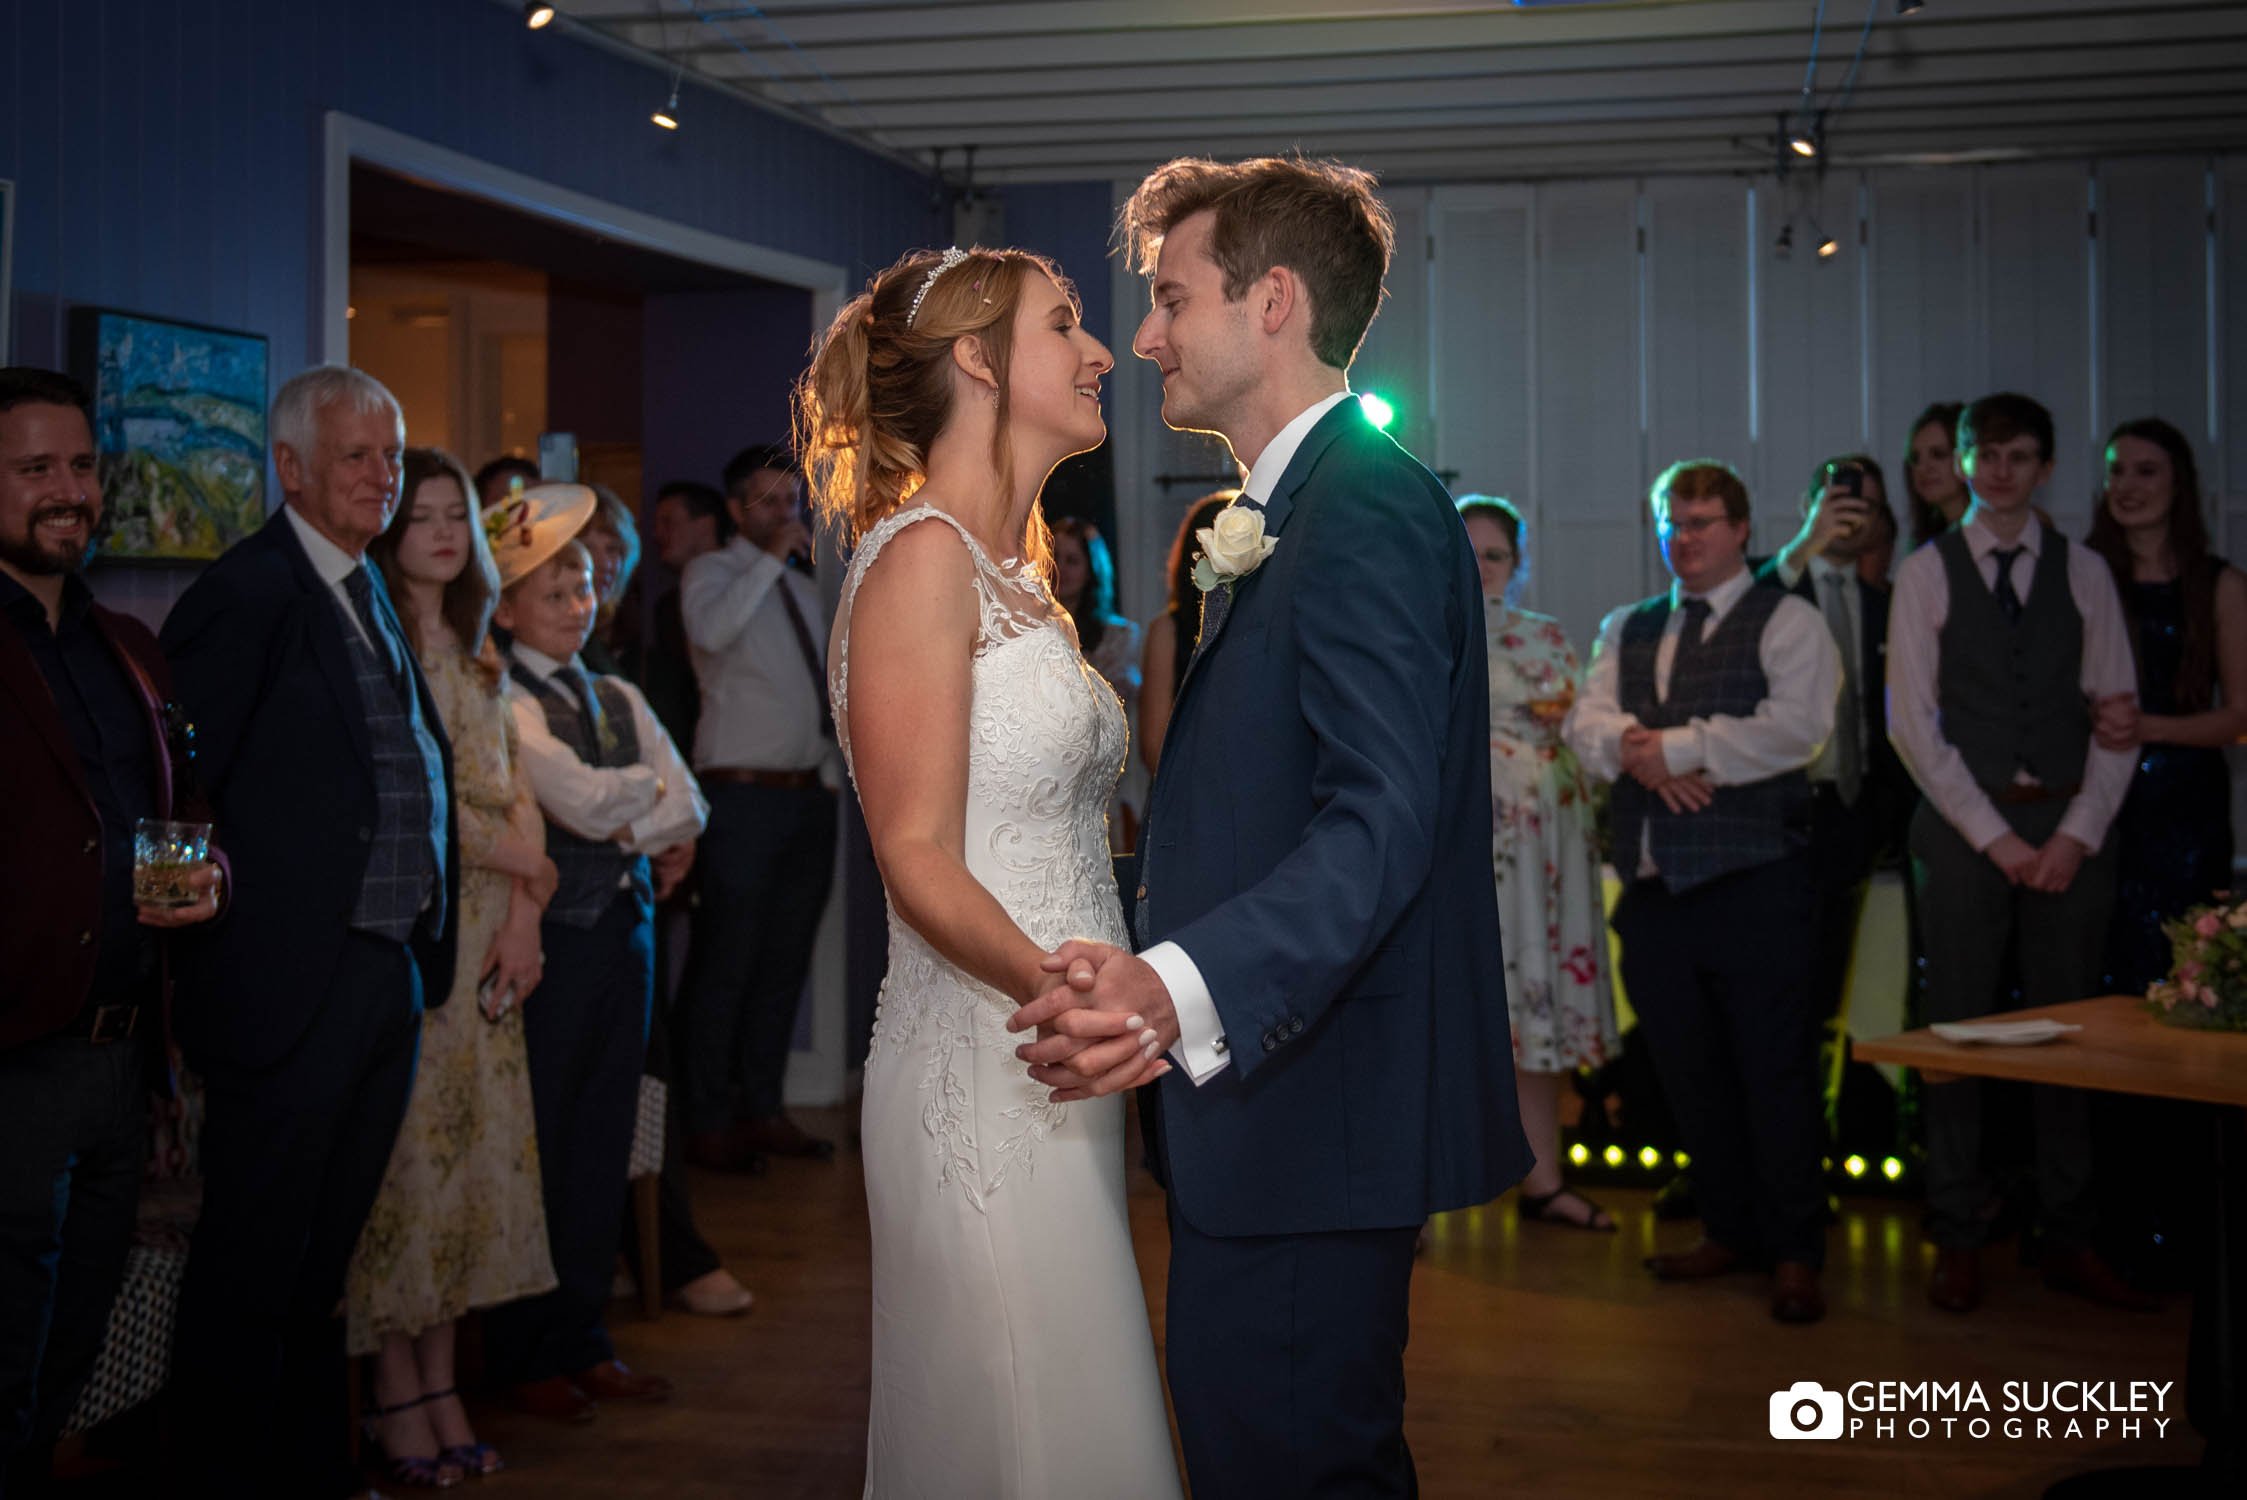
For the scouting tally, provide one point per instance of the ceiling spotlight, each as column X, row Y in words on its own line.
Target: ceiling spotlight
column 1828, row 247
column 1909, row 7
column 668, row 115
column 536, row 16
column 1802, row 143
column 1785, row 247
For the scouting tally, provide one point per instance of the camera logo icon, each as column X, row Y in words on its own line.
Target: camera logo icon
column 1806, row 1409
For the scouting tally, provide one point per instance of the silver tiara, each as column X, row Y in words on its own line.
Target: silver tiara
column 952, row 257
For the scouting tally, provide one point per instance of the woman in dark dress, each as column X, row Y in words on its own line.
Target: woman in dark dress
column 2188, row 615
column 1169, row 642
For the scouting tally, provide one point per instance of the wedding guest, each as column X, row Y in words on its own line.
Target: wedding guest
column 1170, row 635
column 1559, row 993
column 2000, row 636
column 613, row 539
column 2186, row 610
column 1934, row 494
column 325, row 758
column 616, row 797
column 766, row 750
column 690, row 521
column 459, row 1222
column 693, row 1280
column 84, row 754
column 1084, row 575
column 505, row 475
column 1861, row 796
column 1705, row 705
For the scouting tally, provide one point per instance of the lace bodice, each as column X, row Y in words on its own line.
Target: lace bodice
column 1046, row 745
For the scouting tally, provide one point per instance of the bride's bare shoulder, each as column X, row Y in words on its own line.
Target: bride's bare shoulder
column 923, row 574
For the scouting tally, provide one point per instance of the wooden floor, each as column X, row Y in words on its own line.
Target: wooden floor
column 1543, row 1362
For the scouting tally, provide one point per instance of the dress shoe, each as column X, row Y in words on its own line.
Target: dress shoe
column 613, row 1380
column 1705, row 1259
column 714, row 1295
column 722, row 1151
column 2082, row 1272
column 1795, row 1297
column 556, row 1398
column 777, row 1135
column 1956, row 1285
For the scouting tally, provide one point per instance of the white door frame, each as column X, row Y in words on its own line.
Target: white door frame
column 816, row 1075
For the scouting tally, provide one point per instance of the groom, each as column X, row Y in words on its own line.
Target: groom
column 1315, row 901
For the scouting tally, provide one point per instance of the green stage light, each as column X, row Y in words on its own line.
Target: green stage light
column 1377, row 411
column 1649, row 1158
column 1855, row 1166
column 1579, row 1154
column 1891, row 1168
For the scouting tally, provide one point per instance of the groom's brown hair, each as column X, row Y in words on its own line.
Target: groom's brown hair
column 1319, row 219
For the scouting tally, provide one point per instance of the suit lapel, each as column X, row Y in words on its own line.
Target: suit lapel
column 325, row 625
column 151, row 707
column 19, row 675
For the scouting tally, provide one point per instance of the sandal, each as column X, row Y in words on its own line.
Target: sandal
column 476, row 1460
column 1540, row 1210
column 414, row 1472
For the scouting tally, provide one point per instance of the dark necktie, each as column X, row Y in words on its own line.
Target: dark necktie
column 2008, row 598
column 573, row 677
column 1696, row 617
column 359, row 587
column 802, row 628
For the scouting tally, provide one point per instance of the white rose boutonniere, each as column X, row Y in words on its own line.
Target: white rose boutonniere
column 1233, row 546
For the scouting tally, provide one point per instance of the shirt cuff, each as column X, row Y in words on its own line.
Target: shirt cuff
column 1201, row 1049
column 2083, row 825
column 1983, row 827
column 1681, row 749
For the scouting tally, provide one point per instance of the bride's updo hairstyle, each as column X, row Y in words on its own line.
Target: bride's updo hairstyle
column 879, row 388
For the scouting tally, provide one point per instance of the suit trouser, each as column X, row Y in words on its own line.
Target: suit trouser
column 74, row 1116
column 1841, row 856
column 1967, row 912
column 1719, row 976
column 767, row 861
column 1285, row 1355
column 292, row 1156
column 586, row 1031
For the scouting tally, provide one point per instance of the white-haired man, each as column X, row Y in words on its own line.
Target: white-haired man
column 328, row 770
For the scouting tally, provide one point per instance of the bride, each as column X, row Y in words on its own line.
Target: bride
column 1011, row 1350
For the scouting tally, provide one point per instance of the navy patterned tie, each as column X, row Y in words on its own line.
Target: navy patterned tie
column 2008, row 598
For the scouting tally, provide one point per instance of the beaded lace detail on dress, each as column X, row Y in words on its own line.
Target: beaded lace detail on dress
column 1046, row 746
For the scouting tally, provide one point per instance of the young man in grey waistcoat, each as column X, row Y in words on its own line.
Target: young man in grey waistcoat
column 1705, row 705
column 2002, row 640
column 622, row 814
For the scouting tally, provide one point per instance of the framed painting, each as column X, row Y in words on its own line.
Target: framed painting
column 179, row 417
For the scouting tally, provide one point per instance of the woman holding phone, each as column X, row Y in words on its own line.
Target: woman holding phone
column 460, row 1221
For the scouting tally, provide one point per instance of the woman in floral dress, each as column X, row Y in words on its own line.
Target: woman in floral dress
column 1549, row 902
column 460, row 1221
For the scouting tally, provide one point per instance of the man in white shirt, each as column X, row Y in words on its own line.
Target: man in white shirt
column 765, row 752
column 2002, row 638
column 1705, row 705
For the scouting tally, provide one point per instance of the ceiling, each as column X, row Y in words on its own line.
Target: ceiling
column 1445, row 90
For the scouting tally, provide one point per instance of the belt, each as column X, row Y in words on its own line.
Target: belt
column 2023, row 793
column 104, row 1023
column 746, row 776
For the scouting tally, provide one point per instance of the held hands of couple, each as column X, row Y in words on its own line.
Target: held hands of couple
column 1103, row 1023
column 2050, row 868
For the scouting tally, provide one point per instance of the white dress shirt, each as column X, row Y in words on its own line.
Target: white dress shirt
column 656, row 803
column 760, row 703
column 1915, row 623
column 1800, row 663
column 1201, row 1031
column 334, row 565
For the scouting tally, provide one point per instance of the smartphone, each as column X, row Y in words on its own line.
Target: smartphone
column 1847, row 479
column 557, row 456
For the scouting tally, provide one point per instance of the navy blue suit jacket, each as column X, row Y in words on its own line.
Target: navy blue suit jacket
column 1318, row 841
column 260, row 663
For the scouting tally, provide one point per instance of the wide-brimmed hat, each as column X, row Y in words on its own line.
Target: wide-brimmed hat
column 529, row 526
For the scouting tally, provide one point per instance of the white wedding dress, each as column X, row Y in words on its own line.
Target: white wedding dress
column 1012, row 1356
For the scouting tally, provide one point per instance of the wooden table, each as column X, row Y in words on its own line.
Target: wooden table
column 2121, row 1049
column 2124, row 1050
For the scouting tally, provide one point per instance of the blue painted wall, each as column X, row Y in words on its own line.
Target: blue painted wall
column 1069, row 222
column 167, row 153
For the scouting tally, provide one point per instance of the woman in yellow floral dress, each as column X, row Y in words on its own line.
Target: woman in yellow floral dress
column 459, row 1222
column 1550, row 910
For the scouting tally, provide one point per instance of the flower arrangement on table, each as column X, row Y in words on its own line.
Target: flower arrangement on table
column 2207, row 988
